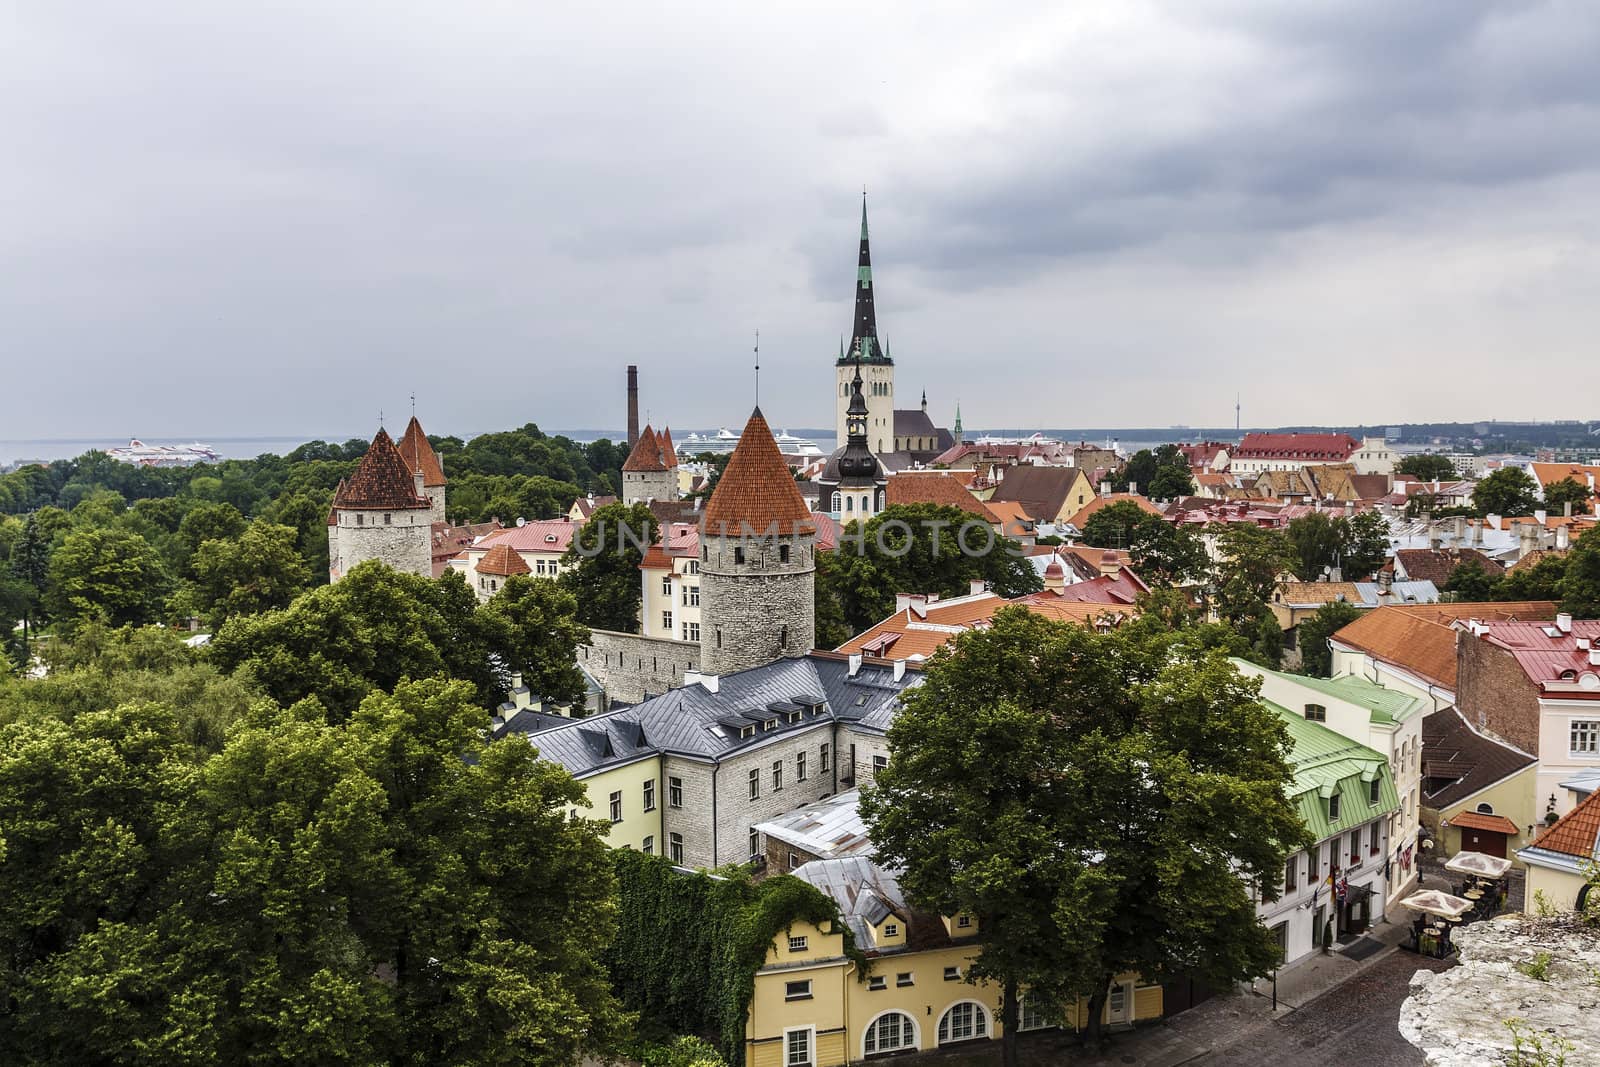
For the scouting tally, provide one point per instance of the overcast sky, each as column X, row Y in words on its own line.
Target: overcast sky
column 221, row 219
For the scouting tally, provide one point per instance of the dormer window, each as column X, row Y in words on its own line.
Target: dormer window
column 747, row 731
column 1373, row 796
column 1316, row 713
column 1333, row 808
column 770, row 724
column 792, row 717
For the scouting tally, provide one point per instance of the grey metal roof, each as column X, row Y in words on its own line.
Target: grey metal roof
column 693, row 721
column 866, row 893
column 828, row 829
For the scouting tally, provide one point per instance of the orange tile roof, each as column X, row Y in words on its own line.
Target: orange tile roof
column 756, row 493
column 1576, row 832
column 1011, row 515
column 416, row 450
column 1084, row 513
column 1472, row 820
column 1547, row 474
column 1419, row 637
column 669, row 454
column 937, row 489
column 382, row 482
column 908, row 633
column 646, row 454
column 503, row 560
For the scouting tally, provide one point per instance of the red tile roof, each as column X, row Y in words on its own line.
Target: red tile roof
column 669, row 453
column 1545, row 658
column 646, row 454
column 756, row 493
column 1576, row 832
column 503, row 560
column 1124, row 587
column 416, row 450
column 1327, row 447
column 922, row 630
column 545, row 536
column 1473, row 820
column 1420, row 637
column 382, row 482
column 941, row 489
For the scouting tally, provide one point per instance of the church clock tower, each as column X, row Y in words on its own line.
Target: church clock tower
column 876, row 368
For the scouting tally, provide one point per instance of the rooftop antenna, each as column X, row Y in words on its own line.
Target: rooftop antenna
column 380, row 418
column 413, row 405
column 758, row 368
column 1236, row 408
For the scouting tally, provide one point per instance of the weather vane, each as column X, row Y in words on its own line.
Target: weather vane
column 758, row 368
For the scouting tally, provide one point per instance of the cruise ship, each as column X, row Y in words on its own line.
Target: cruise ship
column 142, row 455
column 724, row 440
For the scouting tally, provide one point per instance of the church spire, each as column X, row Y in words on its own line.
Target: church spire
column 865, row 337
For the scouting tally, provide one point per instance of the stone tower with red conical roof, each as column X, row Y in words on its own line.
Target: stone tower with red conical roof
column 382, row 512
column 758, row 560
column 651, row 470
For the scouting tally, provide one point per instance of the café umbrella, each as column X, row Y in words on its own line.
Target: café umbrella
column 1479, row 864
column 1434, row 902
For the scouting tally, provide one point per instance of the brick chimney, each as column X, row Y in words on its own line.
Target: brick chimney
column 633, row 405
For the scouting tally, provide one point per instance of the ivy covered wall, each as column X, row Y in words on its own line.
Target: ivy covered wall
column 688, row 946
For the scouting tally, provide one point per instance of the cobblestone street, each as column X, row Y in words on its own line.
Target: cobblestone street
column 1352, row 1023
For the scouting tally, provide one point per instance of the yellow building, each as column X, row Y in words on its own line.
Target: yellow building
column 1478, row 791
column 810, row 1006
column 1561, row 861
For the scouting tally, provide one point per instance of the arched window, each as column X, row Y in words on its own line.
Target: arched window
column 849, row 503
column 838, row 504
column 965, row 1021
column 890, row 1032
column 1485, row 809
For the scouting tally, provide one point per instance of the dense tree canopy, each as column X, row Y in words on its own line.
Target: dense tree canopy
column 1557, row 495
column 1162, row 474
column 1357, row 545
column 106, row 573
column 1163, row 552
column 391, row 890
column 1099, row 801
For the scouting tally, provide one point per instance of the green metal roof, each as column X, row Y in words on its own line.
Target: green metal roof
column 1386, row 706
column 1328, row 764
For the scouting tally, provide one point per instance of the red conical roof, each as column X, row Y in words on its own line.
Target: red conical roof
column 503, row 560
column 417, row 452
column 646, row 454
column 382, row 482
column 669, row 454
column 757, row 493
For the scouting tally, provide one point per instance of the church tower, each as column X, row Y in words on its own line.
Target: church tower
column 878, row 383
column 757, row 560
column 853, row 482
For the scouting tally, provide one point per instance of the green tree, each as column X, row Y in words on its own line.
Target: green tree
column 1580, row 581
column 107, row 573
column 602, row 565
column 532, row 623
column 307, row 514
column 1253, row 559
column 1316, row 540
column 1365, row 544
column 30, row 566
column 1316, row 659
column 1117, row 525
column 1427, row 468
column 1557, row 495
column 1098, row 801
column 923, row 548
column 1545, row 580
column 208, row 522
column 1507, row 491
column 1140, row 471
column 1167, row 553
column 1470, row 582
column 262, row 569
column 370, row 631
column 1172, row 478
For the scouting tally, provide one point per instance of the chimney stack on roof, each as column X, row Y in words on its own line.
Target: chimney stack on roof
column 1594, row 657
column 1564, row 622
column 1563, row 538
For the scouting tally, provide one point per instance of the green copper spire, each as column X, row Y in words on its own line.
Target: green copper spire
column 958, row 422
column 864, row 338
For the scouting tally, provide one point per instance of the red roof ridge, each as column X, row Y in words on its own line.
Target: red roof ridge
column 757, row 494
column 1577, row 833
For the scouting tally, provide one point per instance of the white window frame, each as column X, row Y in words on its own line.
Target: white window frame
column 755, row 783
column 649, row 794
column 800, row 766
column 980, row 1024
column 797, row 989
column 810, row 1058
column 870, row 1030
column 675, row 848
column 615, row 807
column 649, row 846
column 1590, row 729
column 674, row 792
column 799, row 943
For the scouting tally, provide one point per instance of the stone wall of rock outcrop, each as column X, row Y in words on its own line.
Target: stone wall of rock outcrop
column 1542, row 971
